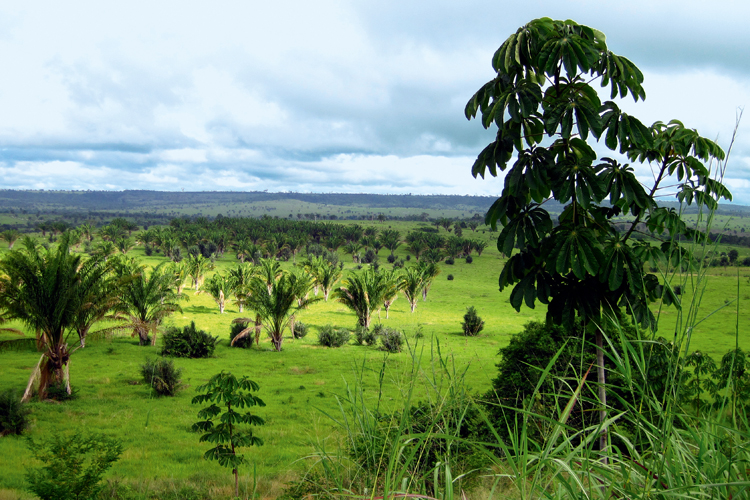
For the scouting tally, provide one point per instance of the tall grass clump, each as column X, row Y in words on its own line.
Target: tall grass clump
column 162, row 376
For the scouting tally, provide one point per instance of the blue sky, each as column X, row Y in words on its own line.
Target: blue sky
column 320, row 96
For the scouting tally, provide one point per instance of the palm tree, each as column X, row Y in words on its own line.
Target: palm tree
column 390, row 239
column 429, row 271
column 45, row 290
column 362, row 293
column 10, row 236
column 275, row 308
column 391, row 283
column 179, row 272
column 412, row 285
column 218, row 286
column 146, row 299
column 198, row 266
column 239, row 278
column 269, row 270
column 328, row 275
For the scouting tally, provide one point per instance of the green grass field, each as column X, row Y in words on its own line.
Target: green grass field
column 300, row 383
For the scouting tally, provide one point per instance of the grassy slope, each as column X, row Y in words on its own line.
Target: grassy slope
column 296, row 383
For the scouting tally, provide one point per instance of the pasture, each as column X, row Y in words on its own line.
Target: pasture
column 300, row 385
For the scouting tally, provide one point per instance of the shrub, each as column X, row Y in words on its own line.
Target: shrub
column 14, row 415
column 365, row 336
column 391, row 340
column 234, row 330
column 450, row 277
column 450, row 261
column 469, row 259
column 162, row 376
column 300, row 330
column 148, row 250
column 59, row 392
column 73, row 466
column 472, row 324
column 391, row 258
column 333, row 337
column 188, row 342
column 746, row 262
column 370, row 257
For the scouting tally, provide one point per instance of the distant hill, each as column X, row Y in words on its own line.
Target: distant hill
column 166, row 201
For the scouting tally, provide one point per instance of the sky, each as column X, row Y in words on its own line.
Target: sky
column 323, row 96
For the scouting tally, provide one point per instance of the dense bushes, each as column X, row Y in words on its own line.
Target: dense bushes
column 14, row 415
column 188, row 342
column 300, row 330
column 162, row 376
column 333, row 337
column 365, row 336
column 391, row 340
column 472, row 324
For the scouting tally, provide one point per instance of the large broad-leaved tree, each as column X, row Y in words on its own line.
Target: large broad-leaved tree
column 546, row 103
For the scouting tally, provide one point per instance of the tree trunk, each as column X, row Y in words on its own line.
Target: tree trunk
column 602, row 378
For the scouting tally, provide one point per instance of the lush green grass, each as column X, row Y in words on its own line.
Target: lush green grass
column 163, row 454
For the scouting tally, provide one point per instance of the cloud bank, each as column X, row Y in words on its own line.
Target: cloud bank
column 317, row 96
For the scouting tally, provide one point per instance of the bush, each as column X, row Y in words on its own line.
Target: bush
column 59, row 392
column 365, row 336
column 14, row 415
column 188, row 342
column 472, row 324
column 162, row 376
column 148, row 250
column 73, row 466
column 333, row 337
column 391, row 258
column 746, row 262
column 234, row 330
column 370, row 257
column 469, row 259
column 450, row 277
column 450, row 261
column 391, row 340
column 300, row 330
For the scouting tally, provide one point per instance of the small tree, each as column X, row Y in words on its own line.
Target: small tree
column 73, row 466
column 546, row 110
column 472, row 324
column 227, row 394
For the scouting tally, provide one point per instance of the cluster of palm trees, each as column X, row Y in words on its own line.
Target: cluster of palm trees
column 57, row 293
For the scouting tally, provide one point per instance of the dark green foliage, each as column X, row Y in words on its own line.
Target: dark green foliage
column 188, row 342
column 546, row 110
column 469, row 259
column 450, row 261
column 472, row 323
column 391, row 340
column 73, row 466
column 450, row 277
column 746, row 262
column 522, row 363
column 733, row 254
column 148, row 250
column 365, row 336
column 245, row 342
column 14, row 415
column 300, row 330
column 221, row 420
column 162, row 376
column 333, row 337
column 391, row 258
column 59, row 392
